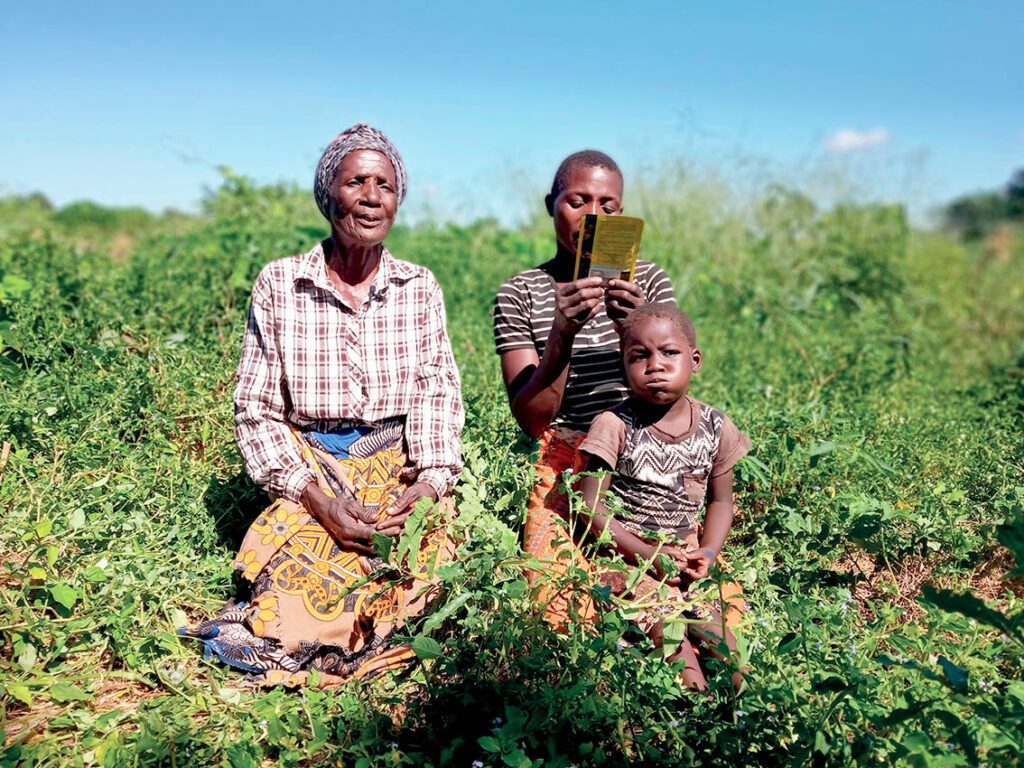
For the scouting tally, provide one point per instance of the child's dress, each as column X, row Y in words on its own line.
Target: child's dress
column 661, row 480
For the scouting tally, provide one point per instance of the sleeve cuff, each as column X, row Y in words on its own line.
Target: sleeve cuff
column 725, row 463
column 438, row 479
column 604, row 453
column 294, row 483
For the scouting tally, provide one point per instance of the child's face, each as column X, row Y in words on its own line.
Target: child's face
column 659, row 361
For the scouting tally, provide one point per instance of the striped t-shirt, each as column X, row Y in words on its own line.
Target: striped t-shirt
column 524, row 312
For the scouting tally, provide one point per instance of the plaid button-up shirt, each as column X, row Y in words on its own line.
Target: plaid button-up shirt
column 311, row 360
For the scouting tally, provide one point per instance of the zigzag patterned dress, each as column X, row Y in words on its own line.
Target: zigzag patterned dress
column 660, row 486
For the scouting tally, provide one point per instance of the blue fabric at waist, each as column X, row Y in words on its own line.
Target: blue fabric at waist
column 337, row 443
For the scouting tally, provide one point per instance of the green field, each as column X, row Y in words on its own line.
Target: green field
column 879, row 371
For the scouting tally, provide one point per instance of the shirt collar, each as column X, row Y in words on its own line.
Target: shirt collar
column 313, row 267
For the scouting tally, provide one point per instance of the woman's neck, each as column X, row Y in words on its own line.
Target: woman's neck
column 562, row 266
column 353, row 265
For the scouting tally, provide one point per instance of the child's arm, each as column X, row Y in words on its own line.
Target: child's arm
column 717, row 521
column 631, row 546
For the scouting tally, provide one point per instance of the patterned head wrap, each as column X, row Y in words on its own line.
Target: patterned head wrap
column 359, row 136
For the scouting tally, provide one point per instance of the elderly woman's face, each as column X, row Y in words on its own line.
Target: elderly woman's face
column 364, row 198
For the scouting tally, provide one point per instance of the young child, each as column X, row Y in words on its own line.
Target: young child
column 672, row 456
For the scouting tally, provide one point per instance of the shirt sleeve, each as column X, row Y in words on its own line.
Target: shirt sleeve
column 606, row 438
column 732, row 446
column 435, row 419
column 658, row 288
column 511, row 319
column 264, row 438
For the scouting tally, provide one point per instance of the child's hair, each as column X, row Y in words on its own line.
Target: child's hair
column 587, row 158
column 664, row 311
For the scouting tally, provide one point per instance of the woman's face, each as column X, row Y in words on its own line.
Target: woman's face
column 364, row 198
column 588, row 189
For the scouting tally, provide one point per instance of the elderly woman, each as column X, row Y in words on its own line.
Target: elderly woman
column 348, row 410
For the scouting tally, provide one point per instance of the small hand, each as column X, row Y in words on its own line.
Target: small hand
column 622, row 298
column 669, row 571
column 393, row 520
column 698, row 563
column 576, row 303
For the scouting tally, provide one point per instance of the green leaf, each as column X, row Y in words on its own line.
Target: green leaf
column 673, row 635
column 426, row 647
column 446, row 611
column 27, row 657
column 788, row 642
column 14, row 287
column 794, row 522
column 970, row 606
column 905, row 713
column 489, row 743
column 821, row 743
column 19, row 691
column 62, row 692
column 76, row 519
column 109, row 718
column 232, row 696
column 412, row 534
column 515, row 588
column 820, row 449
column 43, row 528
column 450, row 571
column 1011, row 536
column 239, row 757
column 830, row 683
column 955, row 675
column 383, row 545
column 1016, row 690
column 603, row 592
column 65, row 595
column 94, row 574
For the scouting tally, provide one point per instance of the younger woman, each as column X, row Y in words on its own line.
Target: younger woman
column 559, row 344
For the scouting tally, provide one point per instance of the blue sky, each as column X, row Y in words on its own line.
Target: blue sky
column 137, row 103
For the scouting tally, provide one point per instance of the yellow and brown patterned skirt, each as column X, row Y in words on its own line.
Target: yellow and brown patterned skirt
column 315, row 605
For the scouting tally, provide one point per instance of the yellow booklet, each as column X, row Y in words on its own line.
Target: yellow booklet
column 608, row 246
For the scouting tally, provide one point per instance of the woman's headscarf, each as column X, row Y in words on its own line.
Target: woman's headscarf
column 359, row 136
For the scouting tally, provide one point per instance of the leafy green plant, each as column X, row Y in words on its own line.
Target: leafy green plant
column 876, row 368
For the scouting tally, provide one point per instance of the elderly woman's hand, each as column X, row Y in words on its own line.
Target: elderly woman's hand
column 393, row 520
column 621, row 298
column 347, row 521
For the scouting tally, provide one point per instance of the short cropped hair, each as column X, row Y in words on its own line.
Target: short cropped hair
column 587, row 158
column 661, row 311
